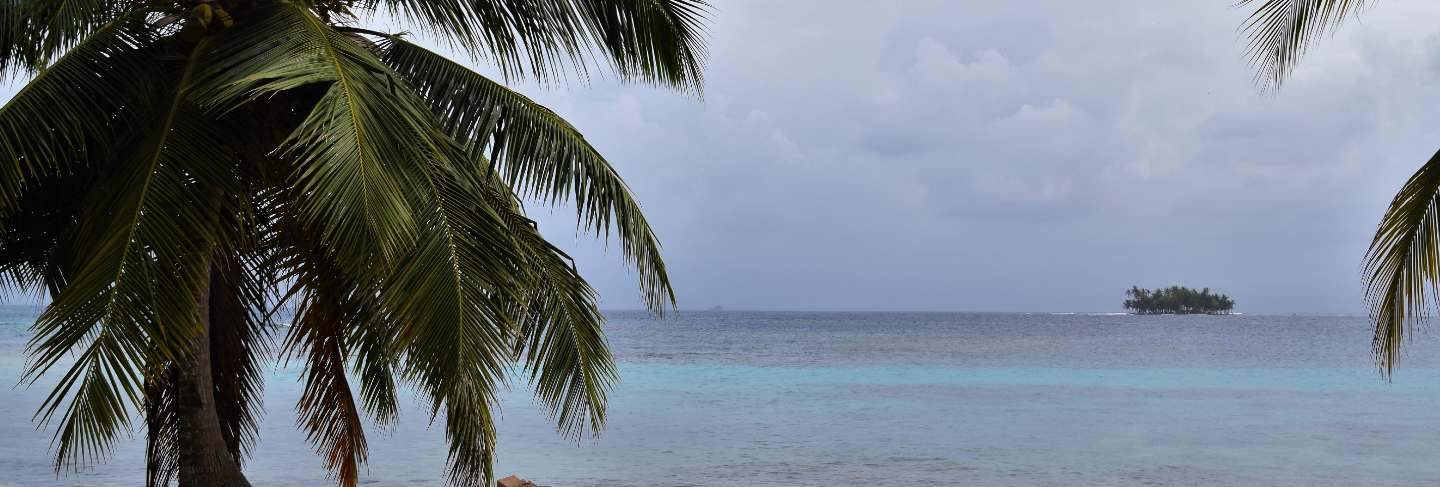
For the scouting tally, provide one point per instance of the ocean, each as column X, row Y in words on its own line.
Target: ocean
column 973, row 399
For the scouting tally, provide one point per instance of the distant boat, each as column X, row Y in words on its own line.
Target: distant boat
column 716, row 308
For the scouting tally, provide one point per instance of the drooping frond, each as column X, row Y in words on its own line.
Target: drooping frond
column 17, row 51
column 1403, row 263
column 440, row 285
column 376, row 365
column 538, row 153
column 368, row 337
column 470, row 431
column 560, row 339
column 354, row 152
column 1280, row 32
column 327, row 411
column 286, row 150
column 449, row 294
column 655, row 41
column 335, row 319
column 59, row 24
column 562, row 342
column 73, row 112
column 519, row 36
column 162, row 428
column 143, row 241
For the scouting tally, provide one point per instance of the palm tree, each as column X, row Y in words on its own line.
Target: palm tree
column 175, row 171
column 1402, row 265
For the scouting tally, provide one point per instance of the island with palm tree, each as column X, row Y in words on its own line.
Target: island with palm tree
column 1177, row 300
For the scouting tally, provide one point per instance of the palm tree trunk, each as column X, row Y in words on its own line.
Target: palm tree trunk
column 205, row 461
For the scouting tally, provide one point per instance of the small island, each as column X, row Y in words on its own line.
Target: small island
column 1177, row 300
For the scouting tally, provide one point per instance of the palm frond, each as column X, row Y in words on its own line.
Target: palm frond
column 560, row 338
column 440, row 283
column 73, row 112
column 326, row 410
column 658, row 41
column 302, row 260
column 537, row 152
column 144, row 242
column 352, row 153
column 376, row 363
column 655, row 41
column 17, row 50
column 162, row 428
column 369, row 189
column 449, row 296
column 562, row 342
column 1280, row 32
column 32, row 32
column 1403, row 263
column 519, row 36
column 470, row 431
column 336, row 317
column 59, row 24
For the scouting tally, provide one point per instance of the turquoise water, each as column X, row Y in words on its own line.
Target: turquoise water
column 820, row 399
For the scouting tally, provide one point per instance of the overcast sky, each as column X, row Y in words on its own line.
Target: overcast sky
column 1020, row 155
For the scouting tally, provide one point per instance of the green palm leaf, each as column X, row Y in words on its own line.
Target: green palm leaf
column 34, row 31
column 334, row 320
column 17, row 50
column 35, row 232
column 647, row 40
column 68, row 111
column 538, row 152
column 1281, row 31
column 562, row 342
column 449, row 294
column 652, row 40
column 519, row 36
column 1403, row 263
column 560, row 339
column 352, row 152
column 239, row 342
column 162, row 427
column 59, row 24
column 148, row 226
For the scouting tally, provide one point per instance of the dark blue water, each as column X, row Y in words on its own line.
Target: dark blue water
column 822, row 399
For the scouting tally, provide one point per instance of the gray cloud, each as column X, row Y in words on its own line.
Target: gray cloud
column 1012, row 156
